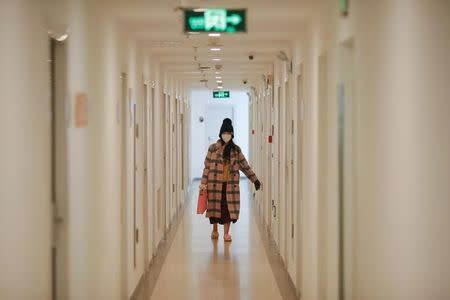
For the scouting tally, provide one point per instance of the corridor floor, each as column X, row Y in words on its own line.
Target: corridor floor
column 197, row 267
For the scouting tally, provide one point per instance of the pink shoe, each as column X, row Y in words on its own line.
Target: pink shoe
column 227, row 238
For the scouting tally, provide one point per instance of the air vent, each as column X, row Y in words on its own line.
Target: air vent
column 166, row 44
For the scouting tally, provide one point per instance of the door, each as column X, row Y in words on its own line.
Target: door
column 215, row 113
column 146, row 204
column 183, row 153
column 299, row 179
column 59, row 103
column 268, row 158
column 322, row 178
column 135, row 184
column 290, row 190
column 153, row 196
column 124, row 109
column 276, row 163
column 282, row 173
column 161, row 192
column 167, row 156
column 174, row 161
column 345, row 167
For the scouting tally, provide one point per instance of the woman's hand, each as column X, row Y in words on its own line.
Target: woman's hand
column 257, row 185
column 203, row 187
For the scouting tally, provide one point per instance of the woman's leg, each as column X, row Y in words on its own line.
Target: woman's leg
column 226, row 228
column 215, row 232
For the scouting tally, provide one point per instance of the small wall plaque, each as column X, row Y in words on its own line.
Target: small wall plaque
column 81, row 110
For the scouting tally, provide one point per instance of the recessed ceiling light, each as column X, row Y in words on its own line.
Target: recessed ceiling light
column 218, row 77
column 219, row 81
column 216, row 59
column 193, row 32
column 215, row 49
column 199, row 9
column 214, row 34
column 62, row 38
column 220, row 87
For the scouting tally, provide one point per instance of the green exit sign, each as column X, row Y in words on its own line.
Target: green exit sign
column 215, row 20
column 343, row 7
column 221, row 94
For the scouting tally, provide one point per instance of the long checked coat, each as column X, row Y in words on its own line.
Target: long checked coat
column 212, row 177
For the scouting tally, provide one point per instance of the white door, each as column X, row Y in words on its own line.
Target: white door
column 58, row 63
column 124, row 111
column 299, row 181
column 146, row 234
column 167, row 157
column 215, row 113
column 290, row 190
column 275, row 163
column 323, row 173
column 135, row 185
column 345, row 163
column 268, row 159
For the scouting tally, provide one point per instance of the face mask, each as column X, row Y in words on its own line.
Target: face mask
column 226, row 137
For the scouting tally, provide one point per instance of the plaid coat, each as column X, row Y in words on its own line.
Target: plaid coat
column 212, row 177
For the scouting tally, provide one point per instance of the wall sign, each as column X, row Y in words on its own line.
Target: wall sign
column 343, row 7
column 221, row 94
column 215, row 20
column 81, row 110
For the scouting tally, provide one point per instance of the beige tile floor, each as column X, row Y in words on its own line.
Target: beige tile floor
column 198, row 268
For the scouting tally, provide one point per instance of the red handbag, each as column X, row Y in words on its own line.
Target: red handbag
column 201, row 204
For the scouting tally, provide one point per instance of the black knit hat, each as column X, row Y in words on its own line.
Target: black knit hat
column 226, row 127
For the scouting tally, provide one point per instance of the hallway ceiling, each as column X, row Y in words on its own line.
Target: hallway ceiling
column 158, row 26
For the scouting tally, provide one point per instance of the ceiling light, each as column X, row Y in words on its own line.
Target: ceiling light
column 62, row 38
column 220, row 87
column 216, row 59
column 214, row 34
column 219, row 81
column 215, row 49
column 199, row 9
column 218, row 77
column 193, row 32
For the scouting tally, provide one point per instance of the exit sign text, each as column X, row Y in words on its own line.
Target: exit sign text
column 221, row 94
column 215, row 20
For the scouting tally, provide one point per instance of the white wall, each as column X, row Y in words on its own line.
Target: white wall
column 25, row 166
column 94, row 156
column 401, row 214
column 400, row 150
column 199, row 100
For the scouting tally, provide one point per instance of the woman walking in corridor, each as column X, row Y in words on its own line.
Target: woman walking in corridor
column 221, row 180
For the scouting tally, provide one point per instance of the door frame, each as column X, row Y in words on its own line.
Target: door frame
column 59, row 102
